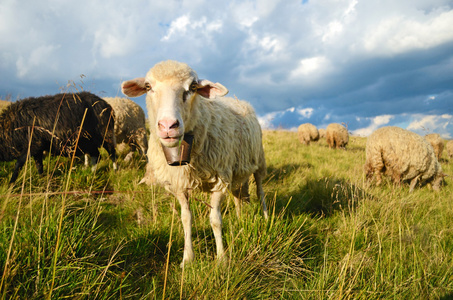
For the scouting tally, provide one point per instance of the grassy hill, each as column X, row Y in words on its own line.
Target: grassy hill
column 331, row 235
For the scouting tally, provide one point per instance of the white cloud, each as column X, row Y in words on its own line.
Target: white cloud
column 399, row 34
column 424, row 124
column 376, row 122
column 40, row 57
column 306, row 112
column 183, row 26
column 310, row 67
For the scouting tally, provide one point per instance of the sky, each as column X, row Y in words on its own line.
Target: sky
column 362, row 63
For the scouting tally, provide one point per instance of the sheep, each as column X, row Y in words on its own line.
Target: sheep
column 307, row 132
column 226, row 150
column 337, row 136
column 449, row 147
column 322, row 133
column 53, row 124
column 403, row 155
column 129, row 124
column 437, row 143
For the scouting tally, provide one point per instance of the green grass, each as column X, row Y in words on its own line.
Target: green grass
column 330, row 234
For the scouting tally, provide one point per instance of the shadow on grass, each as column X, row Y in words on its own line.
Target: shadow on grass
column 321, row 197
column 447, row 297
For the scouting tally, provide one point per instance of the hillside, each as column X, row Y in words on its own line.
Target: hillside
column 331, row 235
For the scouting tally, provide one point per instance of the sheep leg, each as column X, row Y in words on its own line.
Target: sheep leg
column 413, row 183
column 238, row 206
column 186, row 219
column 87, row 160
column 38, row 162
column 216, row 222
column 240, row 194
column 19, row 164
column 260, row 193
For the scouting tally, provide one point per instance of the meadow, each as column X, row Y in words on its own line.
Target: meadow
column 75, row 234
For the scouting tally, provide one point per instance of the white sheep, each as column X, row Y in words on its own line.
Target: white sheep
column 438, row 144
column 307, row 132
column 129, row 125
column 403, row 155
column 337, row 136
column 227, row 147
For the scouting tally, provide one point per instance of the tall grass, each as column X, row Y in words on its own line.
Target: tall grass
column 330, row 234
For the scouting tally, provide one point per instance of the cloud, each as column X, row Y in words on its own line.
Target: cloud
column 375, row 123
column 183, row 25
column 400, row 34
column 344, row 61
column 424, row 124
column 310, row 67
column 39, row 58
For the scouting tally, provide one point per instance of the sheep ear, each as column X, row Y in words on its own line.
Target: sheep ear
column 211, row 90
column 134, row 88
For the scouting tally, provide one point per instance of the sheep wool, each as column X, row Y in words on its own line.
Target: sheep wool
column 449, row 147
column 337, row 136
column 322, row 133
column 307, row 132
column 129, row 124
column 227, row 146
column 438, row 144
column 403, row 155
column 55, row 122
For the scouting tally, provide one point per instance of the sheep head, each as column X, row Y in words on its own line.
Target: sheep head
column 172, row 92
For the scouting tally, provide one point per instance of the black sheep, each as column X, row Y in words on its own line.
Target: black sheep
column 54, row 123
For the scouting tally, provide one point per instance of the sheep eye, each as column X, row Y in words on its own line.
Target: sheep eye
column 147, row 86
column 193, row 87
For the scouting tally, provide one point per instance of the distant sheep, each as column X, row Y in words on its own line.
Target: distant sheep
column 322, row 133
column 337, row 136
column 227, row 147
column 53, row 123
column 449, row 147
column 307, row 132
column 437, row 143
column 403, row 155
column 129, row 124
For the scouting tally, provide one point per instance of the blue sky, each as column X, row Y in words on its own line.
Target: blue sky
column 366, row 64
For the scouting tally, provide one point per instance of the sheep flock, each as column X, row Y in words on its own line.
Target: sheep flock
column 192, row 117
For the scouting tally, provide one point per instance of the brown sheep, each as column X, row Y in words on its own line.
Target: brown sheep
column 449, row 147
column 307, row 132
column 322, row 133
column 337, row 136
column 437, row 143
column 403, row 155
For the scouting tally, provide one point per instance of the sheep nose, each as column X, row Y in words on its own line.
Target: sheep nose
column 166, row 125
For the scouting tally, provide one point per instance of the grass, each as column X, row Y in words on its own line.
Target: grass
column 331, row 235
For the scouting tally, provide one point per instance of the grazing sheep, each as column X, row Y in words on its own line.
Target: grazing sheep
column 129, row 124
column 307, row 132
column 403, row 155
column 449, row 147
column 227, row 146
column 322, row 133
column 53, row 123
column 337, row 136
column 437, row 143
